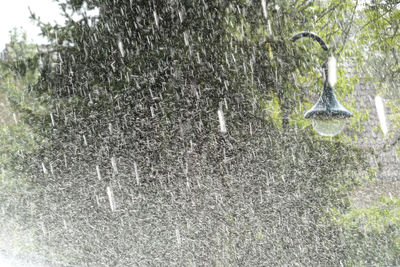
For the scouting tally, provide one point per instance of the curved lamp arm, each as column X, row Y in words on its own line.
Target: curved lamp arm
column 311, row 35
column 327, row 106
column 317, row 38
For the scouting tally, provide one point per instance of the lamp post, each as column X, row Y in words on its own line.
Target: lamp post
column 328, row 115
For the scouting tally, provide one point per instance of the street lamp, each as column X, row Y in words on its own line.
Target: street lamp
column 328, row 115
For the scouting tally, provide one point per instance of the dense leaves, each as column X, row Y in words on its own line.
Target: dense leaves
column 172, row 136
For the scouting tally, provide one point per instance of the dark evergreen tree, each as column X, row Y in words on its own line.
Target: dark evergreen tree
column 140, row 95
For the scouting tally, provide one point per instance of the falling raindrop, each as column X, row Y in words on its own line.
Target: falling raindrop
column 98, row 172
column 65, row 224
column 15, row 118
column 155, row 18
column 52, row 119
column 110, row 128
column 44, row 169
column 65, row 161
column 180, row 16
column 222, row 124
column 84, row 140
column 264, row 8
column 332, row 71
column 269, row 27
column 136, row 173
column 51, row 169
column 121, row 48
column 178, row 237
column 380, row 109
column 111, row 199
column 186, row 38
column 114, row 165
column 97, row 200
column 43, row 228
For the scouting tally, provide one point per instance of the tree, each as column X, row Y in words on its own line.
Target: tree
column 137, row 169
column 19, row 142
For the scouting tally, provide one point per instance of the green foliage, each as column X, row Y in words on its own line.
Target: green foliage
column 19, row 72
column 147, row 103
column 379, row 38
column 20, row 58
column 144, row 103
column 372, row 234
column 273, row 111
column 18, row 141
column 380, row 26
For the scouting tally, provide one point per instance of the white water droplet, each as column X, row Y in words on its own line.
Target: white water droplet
column 222, row 123
column 264, row 8
column 44, row 169
column 110, row 128
column 111, row 199
column 136, row 173
column 43, row 228
column 186, row 38
column 15, row 118
column 332, row 79
column 97, row 200
column 51, row 169
column 114, row 165
column 52, row 119
column 178, row 237
column 98, row 172
column 380, row 109
column 155, row 18
column 269, row 27
column 180, row 16
column 121, row 48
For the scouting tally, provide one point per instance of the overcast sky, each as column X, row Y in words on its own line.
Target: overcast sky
column 15, row 13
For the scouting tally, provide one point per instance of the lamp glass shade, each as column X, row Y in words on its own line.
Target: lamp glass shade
column 328, row 115
column 328, row 127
